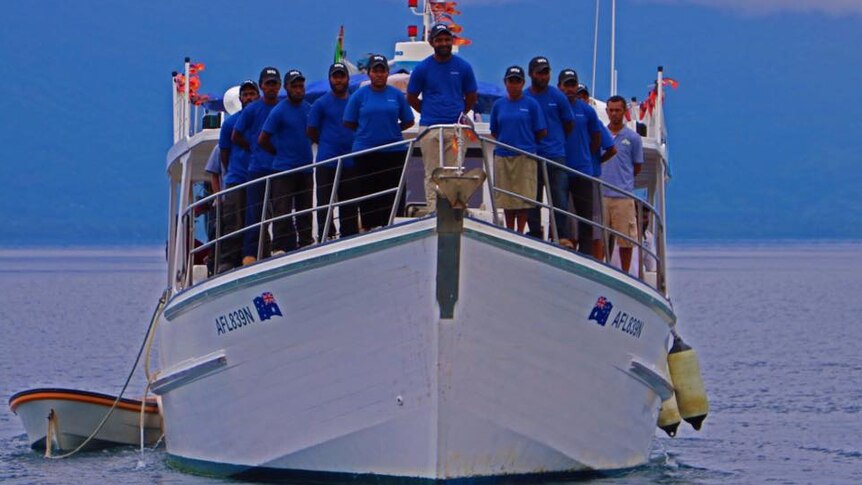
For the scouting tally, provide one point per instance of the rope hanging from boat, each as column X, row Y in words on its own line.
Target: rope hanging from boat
column 148, row 344
column 147, row 338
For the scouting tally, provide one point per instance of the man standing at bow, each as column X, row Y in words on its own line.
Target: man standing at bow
column 448, row 89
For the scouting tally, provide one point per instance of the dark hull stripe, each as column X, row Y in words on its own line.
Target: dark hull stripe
column 310, row 477
column 75, row 395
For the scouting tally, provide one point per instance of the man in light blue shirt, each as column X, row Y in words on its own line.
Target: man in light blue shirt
column 448, row 88
column 620, row 171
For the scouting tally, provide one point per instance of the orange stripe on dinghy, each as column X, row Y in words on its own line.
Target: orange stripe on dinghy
column 151, row 406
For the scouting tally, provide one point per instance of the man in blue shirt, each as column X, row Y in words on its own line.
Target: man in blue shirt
column 245, row 135
column 584, row 140
column 233, row 163
column 606, row 148
column 327, row 130
column 284, row 136
column 621, row 170
column 448, row 88
column 601, row 155
column 559, row 121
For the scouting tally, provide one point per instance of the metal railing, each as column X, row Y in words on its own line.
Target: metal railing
column 187, row 219
column 656, row 219
column 203, row 204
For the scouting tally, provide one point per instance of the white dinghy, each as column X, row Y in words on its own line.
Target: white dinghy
column 62, row 419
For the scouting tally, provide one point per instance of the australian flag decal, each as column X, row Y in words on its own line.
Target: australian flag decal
column 601, row 311
column 267, row 307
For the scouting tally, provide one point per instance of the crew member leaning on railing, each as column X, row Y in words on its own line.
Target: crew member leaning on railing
column 378, row 113
column 516, row 121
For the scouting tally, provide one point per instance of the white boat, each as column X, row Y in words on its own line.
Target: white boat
column 63, row 419
column 438, row 348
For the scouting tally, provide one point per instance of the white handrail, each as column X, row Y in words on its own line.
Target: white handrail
column 184, row 255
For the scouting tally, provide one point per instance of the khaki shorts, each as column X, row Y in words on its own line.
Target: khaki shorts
column 619, row 215
column 515, row 174
column 430, row 145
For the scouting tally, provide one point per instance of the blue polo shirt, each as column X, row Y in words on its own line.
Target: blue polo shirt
column 606, row 144
column 516, row 123
column 249, row 124
column 237, row 165
column 286, row 126
column 578, row 156
column 327, row 115
column 557, row 111
column 442, row 86
column 620, row 170
column 378, row 114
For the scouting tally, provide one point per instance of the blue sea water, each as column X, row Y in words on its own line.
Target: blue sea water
column 776, row 325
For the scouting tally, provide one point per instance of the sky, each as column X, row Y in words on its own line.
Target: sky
column 765, row 139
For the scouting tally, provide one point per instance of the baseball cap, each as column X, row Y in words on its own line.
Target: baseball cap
column 567, row 75
column 248, row 83
column 438, row 29
column 338, row 67
column 582, row 88
column 293, row 75
column 377, row 60
column 268, row 73
column 514, row 72
column 539, row 63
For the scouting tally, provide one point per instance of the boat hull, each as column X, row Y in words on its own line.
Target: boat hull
column 353, row 370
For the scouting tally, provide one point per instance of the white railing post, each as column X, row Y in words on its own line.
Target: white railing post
column 172, row 231
column 427, row 19
column 332, row 196
column 186, row 94
column 181, row 239
column 175, row 106
column 659, row 105
column 263, row 228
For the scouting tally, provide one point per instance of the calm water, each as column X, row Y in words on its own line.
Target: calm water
column 777, row 327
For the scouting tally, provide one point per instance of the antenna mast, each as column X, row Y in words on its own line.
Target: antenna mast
column 595, row 49
column 425, row 13
column 613, row 47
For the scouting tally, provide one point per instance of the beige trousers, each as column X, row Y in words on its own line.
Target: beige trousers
column 430, row 146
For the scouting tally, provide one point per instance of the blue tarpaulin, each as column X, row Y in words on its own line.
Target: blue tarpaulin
column 488, row 93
